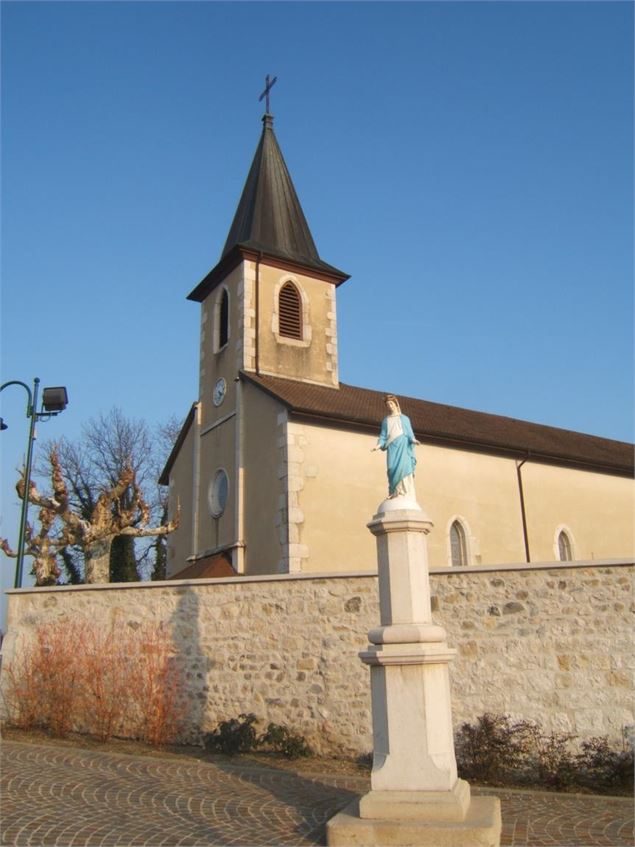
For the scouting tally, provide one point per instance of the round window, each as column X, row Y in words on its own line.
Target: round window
column 218, row 491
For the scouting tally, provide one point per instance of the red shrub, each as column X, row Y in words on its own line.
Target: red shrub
column 100, row 681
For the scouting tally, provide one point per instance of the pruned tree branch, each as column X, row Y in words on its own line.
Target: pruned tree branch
column 6, row 549
column 41, row 547
column 164, row 529
column 101, row 487
column 119, row 510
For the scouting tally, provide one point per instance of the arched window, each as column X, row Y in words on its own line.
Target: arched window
column 564, row 547
column 222, row 326
column 290, row 312
column 458, row 545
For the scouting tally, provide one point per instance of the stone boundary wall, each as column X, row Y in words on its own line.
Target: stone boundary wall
column 551, row 642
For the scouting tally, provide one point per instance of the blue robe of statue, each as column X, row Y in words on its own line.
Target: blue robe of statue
column 401, row 459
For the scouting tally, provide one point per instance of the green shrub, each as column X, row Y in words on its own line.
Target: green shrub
column 555, row 765
column 282, row 740
column 493, row 747
column 602, row 767
column 497, row 750
column 236, row 735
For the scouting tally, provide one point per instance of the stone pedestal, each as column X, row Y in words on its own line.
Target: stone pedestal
column 416, row 797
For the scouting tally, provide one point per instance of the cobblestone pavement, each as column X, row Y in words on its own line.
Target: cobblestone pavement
column 55, row 796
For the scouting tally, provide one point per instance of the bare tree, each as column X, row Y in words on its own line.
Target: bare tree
column 93, row 464
column 120, row 510
column 166, row 435
column 41, row 547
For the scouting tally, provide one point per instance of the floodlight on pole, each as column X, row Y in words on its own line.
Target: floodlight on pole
column 54, row 401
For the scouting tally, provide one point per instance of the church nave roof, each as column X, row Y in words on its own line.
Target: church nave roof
column 437, row 423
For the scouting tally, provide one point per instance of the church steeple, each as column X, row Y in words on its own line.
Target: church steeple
column 269, row 217
column 269, row 220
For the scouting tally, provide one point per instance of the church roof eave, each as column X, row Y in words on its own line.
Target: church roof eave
column 164, row 479
column 255, row 252
column 451, row 426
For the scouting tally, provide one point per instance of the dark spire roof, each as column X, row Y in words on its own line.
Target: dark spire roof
column 268, row 221
column 269, row 217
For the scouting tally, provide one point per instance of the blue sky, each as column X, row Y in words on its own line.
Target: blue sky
column 469, row 164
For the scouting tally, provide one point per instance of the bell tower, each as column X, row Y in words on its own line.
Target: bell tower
column 267, row 308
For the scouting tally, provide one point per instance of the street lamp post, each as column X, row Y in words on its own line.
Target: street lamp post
column 54, row 400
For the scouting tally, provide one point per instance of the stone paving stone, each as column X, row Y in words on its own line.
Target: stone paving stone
column 68, row 797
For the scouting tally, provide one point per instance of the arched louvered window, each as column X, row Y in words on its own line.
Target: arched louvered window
column 564, row 547
column 458, row 545
column 223, row 319
column 290, row 312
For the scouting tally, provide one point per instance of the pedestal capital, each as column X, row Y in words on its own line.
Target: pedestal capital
column 407, row 633
column 400, row 514
column 408, row 654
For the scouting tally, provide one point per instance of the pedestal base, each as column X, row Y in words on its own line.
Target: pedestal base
column 417, row 805
column 481, row 827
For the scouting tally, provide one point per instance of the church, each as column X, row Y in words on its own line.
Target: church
column 273, row 470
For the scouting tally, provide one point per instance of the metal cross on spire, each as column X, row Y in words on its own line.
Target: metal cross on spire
column 268, row 86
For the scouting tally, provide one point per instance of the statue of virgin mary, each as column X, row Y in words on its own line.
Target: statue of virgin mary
column 398, row 441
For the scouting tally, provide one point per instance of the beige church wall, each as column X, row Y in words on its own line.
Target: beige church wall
column 264, row 499
column 479, row 490
column 553, row 644
column 227, row 361
column 315, row 358
column 596, row 510
column 181, row 493
column 217, row 450
column 340, row 483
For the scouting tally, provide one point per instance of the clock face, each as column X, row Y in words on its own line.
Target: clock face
column 219, row 391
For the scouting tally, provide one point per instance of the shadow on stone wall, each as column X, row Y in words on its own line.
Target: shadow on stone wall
column 191, row 664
